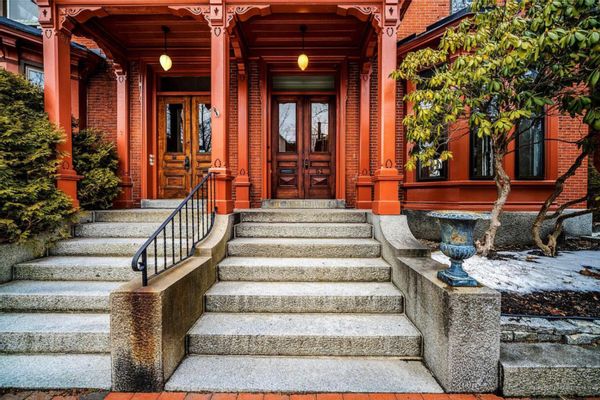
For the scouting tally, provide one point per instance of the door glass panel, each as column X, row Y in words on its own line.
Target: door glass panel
column 174, row 129
column 204, row 131
column 287, row 127
column 319, row 127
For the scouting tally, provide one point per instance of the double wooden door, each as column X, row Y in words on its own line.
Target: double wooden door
column 184, row 143
column 303, row 134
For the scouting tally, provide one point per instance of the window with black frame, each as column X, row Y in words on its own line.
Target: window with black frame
column 481, row 151
column 459, row 5
column 482, row 156
column 530, row 144
column 435, row 169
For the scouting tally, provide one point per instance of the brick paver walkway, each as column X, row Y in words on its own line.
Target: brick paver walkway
column 99, row 395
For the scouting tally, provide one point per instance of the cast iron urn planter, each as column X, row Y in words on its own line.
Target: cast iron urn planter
column 456, row 229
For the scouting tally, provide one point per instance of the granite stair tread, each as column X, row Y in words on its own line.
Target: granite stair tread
column 303, row 269
column 92, row 268
column 305, row 334
column 301, row 374
column 54, row 333
column 55, row 371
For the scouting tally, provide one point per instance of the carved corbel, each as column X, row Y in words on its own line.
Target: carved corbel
column 244, row 13
column 363, row 13
column 199, row 13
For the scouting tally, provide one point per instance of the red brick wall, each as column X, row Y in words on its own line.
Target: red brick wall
column 232, row 131
column 571, row 129
column 374, row 119
column 255, row 133
column 102, row 101
column 135, row 130
column 352, row 131
column 422, row 13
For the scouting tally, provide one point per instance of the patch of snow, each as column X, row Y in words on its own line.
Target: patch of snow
column 521, row 272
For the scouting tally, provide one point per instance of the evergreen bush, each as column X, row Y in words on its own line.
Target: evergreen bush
column 30, row 203
column 96, row 159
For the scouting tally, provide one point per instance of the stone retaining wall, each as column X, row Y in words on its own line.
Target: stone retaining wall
column 543, row 330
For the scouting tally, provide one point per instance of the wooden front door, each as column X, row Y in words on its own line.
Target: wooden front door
column 184, row 142
column 303, row 134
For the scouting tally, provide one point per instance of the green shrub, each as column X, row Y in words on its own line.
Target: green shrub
column 30, row 203
column 96, row 159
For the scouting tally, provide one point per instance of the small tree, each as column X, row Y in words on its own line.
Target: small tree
column 481, row 73
column 30, row 203
column 96, row 159
column 568, row 56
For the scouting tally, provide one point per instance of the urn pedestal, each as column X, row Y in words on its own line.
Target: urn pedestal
column 456, row 228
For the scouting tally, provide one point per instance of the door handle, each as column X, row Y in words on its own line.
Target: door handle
column 186, row 163
column 306, row 163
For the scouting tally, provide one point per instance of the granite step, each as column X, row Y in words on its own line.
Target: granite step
column 132, row 215
column 302, row 203
column 305, row 335
column 303, row 230
column 265, row 269
column 304, row 297
column 160, row 203
column 55, row 371
column 301, row 374
column 134, row 229
column 74, row 268
column 54, row 333
column 303, row 215
column 549, row 370
column 56, row 296
column 304, row 247
column 117, row 247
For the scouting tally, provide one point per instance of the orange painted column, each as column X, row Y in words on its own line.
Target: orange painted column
column 364, row 183
column 57, row 100
column 386, row 178
column 219, row 91
column 242, row 181
column 125, row 198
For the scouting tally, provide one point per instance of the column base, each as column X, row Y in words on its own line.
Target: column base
column 66, row 181
column 364, row 192
column 386, row 183
column 242, row 191
column 125, row 197
column 223, row 190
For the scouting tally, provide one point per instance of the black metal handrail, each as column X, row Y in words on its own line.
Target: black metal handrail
column 197, row 211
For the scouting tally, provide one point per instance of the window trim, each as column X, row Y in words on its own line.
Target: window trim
column 543, row 157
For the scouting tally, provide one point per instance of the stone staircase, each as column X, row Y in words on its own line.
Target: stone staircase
column 54, row 315
column 304, row 303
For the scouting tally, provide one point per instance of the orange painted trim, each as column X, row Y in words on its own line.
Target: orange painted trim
column 364, row 182
column 386, row 179
column 340, row 164
column 242, row 180
column 265, row 139
column 57, row 102
column 125, row 198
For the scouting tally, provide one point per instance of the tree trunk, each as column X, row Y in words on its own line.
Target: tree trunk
column 486, row 244
column 549, row 248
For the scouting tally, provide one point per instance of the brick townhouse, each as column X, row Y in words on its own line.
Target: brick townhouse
column 235, row 100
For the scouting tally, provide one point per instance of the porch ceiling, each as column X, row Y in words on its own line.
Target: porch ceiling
column 327, row 34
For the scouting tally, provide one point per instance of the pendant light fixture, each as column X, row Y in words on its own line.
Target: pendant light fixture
column 303, row 58
column 165, row 61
